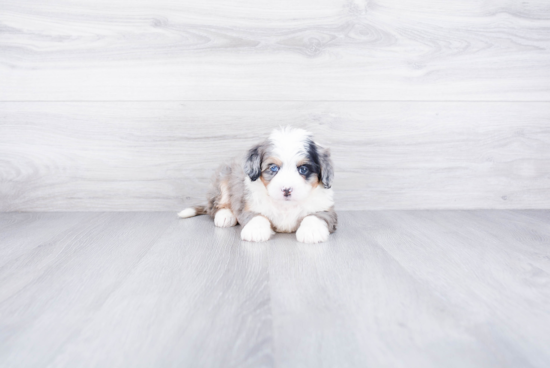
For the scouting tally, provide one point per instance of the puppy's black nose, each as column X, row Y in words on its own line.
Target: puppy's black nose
column 287, row 191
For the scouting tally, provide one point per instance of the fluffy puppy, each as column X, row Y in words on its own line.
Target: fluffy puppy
column 284, row 185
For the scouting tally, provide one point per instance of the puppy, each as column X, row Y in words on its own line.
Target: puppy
column 283, row 185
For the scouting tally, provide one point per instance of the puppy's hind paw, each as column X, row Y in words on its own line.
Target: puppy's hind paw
column 312, row 230
column 257, row 230
column 225, row 218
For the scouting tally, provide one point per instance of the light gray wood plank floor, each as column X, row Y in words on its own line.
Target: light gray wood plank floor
column 390, row 288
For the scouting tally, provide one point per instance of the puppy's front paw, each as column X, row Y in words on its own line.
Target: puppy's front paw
column 257, row 230
column 312, row 230
column 225, row 218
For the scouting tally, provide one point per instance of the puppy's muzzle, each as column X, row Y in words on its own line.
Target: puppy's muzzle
column 286, row 192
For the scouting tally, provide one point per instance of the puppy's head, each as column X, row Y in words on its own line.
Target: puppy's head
column 290, row 165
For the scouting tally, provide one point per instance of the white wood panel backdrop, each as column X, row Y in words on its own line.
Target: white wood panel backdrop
column 119, row 105
column 160, row 155
column 284, row 50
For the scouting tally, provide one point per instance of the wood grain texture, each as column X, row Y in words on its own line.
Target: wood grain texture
column 416, row 288
column 390, row 288
column 265, row 50
column 142, row 286
column 160, row 155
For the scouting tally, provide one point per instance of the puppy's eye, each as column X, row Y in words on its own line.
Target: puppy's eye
column 303, row 170
column 274, row 168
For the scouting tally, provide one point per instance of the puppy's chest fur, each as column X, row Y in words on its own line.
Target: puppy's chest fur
column 285, row 217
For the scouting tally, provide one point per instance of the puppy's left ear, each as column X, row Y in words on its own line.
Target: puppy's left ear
column 327, row 172
column 253, row 161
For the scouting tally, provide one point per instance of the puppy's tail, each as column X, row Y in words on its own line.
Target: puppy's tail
column 192, row 211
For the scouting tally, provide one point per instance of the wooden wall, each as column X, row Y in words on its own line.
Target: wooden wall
column 129, row 105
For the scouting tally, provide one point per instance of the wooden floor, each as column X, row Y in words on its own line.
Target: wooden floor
column 390, row 289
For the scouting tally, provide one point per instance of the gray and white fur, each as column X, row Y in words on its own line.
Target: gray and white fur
column 284, row 184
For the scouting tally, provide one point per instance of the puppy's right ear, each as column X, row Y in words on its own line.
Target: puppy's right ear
column 253, row 161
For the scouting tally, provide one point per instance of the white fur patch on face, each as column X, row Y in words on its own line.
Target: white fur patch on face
column 288, row 143
column 257, row 230
column 289, row 146
column 288, row 179
column 225, row 218
column 188, row 212
column 312, row 230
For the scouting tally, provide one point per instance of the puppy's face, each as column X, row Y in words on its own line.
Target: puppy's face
column 290, row 165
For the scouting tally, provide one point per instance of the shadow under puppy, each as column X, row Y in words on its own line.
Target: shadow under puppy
column 284, row 185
